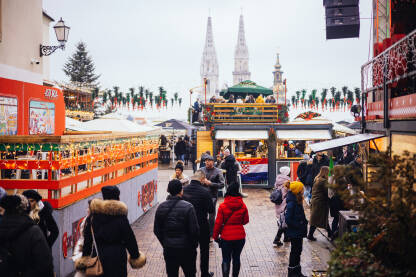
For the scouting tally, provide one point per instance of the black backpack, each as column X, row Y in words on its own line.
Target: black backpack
column 276, row 196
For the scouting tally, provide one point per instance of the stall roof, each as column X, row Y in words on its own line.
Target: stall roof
column 301, row 134
column 241, row 134
column 339, row 142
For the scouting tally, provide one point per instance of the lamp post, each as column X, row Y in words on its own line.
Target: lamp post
column 61, row 32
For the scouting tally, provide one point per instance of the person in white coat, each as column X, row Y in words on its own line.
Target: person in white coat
column 282, row 183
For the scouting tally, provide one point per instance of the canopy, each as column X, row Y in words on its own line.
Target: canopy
column 241, row 134
column 339, row 142
column 244, row 88
column 116, row 125
column 74, row 125
column 300, row 134
column 175, row 124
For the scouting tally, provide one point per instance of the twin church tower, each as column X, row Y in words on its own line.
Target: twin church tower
column 209, row 63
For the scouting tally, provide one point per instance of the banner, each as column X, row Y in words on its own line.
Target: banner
column 253, row 170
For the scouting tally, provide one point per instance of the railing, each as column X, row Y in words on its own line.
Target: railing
column 393, row 64
column 64, row 173
column 403, row 107
column 247, row 113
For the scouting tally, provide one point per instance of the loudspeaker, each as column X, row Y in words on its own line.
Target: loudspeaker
column 342, row 27
column 340, row 3
column 342, row 11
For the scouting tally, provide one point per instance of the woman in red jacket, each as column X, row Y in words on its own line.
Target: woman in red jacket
column 232, row 215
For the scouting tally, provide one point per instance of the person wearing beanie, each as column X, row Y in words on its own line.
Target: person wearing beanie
column 178, row 175
column 24, row 239
column 41, row 213
column 113, row 235
column 297, row 227
column 281, row 179
column 229, row 227
column 176, row 227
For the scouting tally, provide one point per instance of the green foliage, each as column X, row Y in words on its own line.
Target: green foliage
column 80, row 67
column 386, row 244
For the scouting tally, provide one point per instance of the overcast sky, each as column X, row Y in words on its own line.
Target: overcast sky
column 159, row 42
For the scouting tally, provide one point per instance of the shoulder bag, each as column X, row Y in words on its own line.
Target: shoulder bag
column 94, row 266
column 282, row 220
column 220, row 241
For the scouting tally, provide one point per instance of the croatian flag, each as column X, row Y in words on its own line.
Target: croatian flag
column 253, row 170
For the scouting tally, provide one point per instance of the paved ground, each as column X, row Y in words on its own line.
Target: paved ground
column 259, row 257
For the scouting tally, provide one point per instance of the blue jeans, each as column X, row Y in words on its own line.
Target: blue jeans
column 181, row 157
column 232, row 249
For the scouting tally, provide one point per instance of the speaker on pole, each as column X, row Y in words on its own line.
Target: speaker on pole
column 342, row 19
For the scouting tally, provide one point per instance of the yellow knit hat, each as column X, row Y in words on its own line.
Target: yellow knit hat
column 296, row 187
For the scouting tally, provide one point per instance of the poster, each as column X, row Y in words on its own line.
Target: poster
column 8, row 116
column 42, row 118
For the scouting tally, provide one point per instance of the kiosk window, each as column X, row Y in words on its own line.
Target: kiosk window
column 8, row 115
column 42, row 118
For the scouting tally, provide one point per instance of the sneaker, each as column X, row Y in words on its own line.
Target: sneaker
column 245, row 195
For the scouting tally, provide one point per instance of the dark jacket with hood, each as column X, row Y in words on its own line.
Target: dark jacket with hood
column 200, row 197
column 179, row 228
column 47, row 223
column 113, row 236
column 180, row 148
column 31, row 254
column 296, row 221
column 230, row 164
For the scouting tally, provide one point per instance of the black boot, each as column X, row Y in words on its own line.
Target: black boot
column 298, row 271
column 310, row 235
column 276, row 240
column 225, row 269
column 236, row 269
column 291, row 272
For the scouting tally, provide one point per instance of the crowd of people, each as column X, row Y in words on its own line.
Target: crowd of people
column 28, row 231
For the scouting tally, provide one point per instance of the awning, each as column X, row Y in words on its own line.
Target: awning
column 241, row 134
column 339, row 142
column 301, row 134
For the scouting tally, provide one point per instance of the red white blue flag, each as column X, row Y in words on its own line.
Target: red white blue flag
column 253, row 170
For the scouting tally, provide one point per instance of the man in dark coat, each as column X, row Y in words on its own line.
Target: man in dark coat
column 319, row 161
column 214, row 181
column 200, row 198
column 177, row 230
column 230, row 164
column 193, row 155
column 31, row 255
column 46, row 221
column 113, row 234
column 180, row 149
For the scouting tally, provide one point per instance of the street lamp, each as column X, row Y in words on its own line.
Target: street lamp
column 61, row 32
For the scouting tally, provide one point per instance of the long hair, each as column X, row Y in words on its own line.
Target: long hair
column 323, row 173
column 34, row 214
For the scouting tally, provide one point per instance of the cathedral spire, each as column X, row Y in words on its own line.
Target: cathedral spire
column 241, row 71
column 209, row 64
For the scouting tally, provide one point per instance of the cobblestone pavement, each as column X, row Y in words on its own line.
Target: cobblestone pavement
column 259, row 257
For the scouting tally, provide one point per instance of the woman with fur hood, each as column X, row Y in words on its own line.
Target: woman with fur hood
column 281, row 180
column 112, row 233
column 184, row 179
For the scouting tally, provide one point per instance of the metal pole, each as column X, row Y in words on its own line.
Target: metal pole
column 205, row 87
column 285, row 92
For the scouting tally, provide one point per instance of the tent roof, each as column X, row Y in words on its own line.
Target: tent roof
column 74, row 125
column 116, row 125
column 175, row 124
column 246, row 87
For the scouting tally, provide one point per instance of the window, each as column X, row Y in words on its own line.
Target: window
column 8, row 115
column 42, row 118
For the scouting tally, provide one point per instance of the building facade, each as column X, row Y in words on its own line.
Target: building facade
column 23, row 28
column 209, row 65
column 241, row 70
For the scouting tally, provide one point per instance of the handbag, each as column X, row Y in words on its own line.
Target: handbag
column 220, row 241
column 282, row 220
column 93, row 264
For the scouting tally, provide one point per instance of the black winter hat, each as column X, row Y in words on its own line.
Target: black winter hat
column 179, row 165
column 174, row 187
column 110, row 193
column 32, row 194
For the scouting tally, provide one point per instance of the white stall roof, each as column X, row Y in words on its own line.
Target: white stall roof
column 301, row 134
column 338, row 142
column 241, row 134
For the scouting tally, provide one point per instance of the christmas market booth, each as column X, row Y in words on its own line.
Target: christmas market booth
column 246, row 88
column 68, row 168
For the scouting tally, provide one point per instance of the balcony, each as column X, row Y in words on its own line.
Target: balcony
column 218, row 113
column 394, row 68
